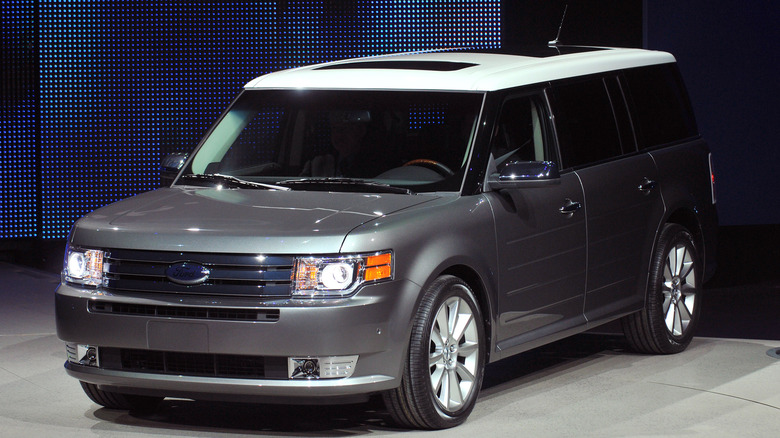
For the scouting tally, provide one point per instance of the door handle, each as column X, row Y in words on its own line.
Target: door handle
column 647, row 185
column 570, row 207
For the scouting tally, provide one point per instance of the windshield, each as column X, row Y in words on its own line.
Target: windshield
column 306, row 139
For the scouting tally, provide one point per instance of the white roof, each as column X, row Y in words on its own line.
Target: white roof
column 490, row 72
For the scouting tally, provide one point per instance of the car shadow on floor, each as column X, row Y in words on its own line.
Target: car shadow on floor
column 349, row 419
column 262, row 419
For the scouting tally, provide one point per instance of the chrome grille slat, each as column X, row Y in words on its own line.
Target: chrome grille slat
column 229, row 274
column 168, row 257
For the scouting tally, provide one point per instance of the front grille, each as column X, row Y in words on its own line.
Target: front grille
column 229, row 274
column 193, row 364
column 223, row 314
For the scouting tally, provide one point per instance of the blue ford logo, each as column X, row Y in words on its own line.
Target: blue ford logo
column 187, row 273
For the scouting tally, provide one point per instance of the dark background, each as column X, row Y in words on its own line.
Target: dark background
column 94, row 94
column 728, row 55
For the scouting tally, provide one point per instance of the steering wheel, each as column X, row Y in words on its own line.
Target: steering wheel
column 440, row 168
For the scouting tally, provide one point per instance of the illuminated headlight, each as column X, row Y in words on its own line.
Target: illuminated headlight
column 339, row 276
column 84, row 267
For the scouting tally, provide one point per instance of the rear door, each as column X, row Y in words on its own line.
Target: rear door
column 622, row 201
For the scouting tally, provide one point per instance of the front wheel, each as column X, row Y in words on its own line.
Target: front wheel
column 672, row 305
column 446, row 360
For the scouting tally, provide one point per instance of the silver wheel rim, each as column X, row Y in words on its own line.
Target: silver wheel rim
column 679, row 289
column 454, row 353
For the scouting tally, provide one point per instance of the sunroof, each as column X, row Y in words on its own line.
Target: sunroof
column 401, row 65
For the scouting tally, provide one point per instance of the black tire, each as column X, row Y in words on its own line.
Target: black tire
column 115, row 400
column 673, row 301
column 458, row 361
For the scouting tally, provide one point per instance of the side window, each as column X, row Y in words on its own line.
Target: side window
column 586, row 123
column 519, row 134
column 659, row 104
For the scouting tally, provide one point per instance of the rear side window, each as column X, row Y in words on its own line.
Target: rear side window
column 585, row 122
column 659, row 104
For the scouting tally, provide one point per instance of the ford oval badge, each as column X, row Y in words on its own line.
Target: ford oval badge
column 187, row 273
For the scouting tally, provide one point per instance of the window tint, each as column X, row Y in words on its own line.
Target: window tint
column 519, row 133
column 585, row 122
column 659, row 105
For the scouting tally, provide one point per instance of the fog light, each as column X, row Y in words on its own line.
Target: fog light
column 304, row 368
column 329, row 367
column 82, row 354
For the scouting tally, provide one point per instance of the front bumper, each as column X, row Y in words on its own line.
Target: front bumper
column 374, row 324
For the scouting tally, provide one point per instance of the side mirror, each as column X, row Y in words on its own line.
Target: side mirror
column 170, row 167
column 519, row 174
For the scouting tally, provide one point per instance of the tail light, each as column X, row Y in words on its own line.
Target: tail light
column 712, row 180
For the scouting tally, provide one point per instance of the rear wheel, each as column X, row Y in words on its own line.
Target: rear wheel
column 446, row 360
column 672, row 305
column 115, row 400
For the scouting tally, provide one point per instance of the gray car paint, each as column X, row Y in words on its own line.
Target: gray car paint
column 237, row 221
column 374, row 323
column 531, row 266
column 622, row 220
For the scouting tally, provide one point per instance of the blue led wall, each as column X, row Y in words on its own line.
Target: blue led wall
column 18, row 115
column 95, row 93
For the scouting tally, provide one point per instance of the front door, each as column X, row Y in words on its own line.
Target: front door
column 541, row 250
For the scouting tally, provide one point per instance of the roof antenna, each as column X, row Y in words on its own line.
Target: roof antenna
column 554, row 42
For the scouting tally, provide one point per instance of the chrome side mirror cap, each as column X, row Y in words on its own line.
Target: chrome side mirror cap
column 518, row 174
column 170, row 167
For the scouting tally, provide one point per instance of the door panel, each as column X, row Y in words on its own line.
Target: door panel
column 541, row 256
column 622, row 219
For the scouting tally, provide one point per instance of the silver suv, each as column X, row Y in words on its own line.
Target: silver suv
column 391, row 225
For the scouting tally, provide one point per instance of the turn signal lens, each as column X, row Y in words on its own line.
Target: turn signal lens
column 378, row 267
column 305, row 274
column 381, row 259
column 338, row 276
column 378, row 273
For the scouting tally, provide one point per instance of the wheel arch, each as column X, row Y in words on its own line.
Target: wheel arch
column 686, row 218
column 474, row 281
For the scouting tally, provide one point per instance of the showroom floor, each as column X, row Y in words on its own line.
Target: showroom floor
column 584, row 386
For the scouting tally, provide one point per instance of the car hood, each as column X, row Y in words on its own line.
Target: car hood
column 236, row 221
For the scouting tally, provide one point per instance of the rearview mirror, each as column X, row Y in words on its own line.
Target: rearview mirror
column 519, row 174
column 170, row 167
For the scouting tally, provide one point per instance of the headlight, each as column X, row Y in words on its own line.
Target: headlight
column 84, row 267
column 339, row 276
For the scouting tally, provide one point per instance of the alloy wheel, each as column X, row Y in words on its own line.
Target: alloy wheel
column 679, row 289
column 454, row 353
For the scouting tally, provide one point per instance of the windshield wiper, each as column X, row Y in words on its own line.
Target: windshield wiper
column 344, row 184
column 230, row 181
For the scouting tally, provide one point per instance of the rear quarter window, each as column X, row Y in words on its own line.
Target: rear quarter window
column 659, row 105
